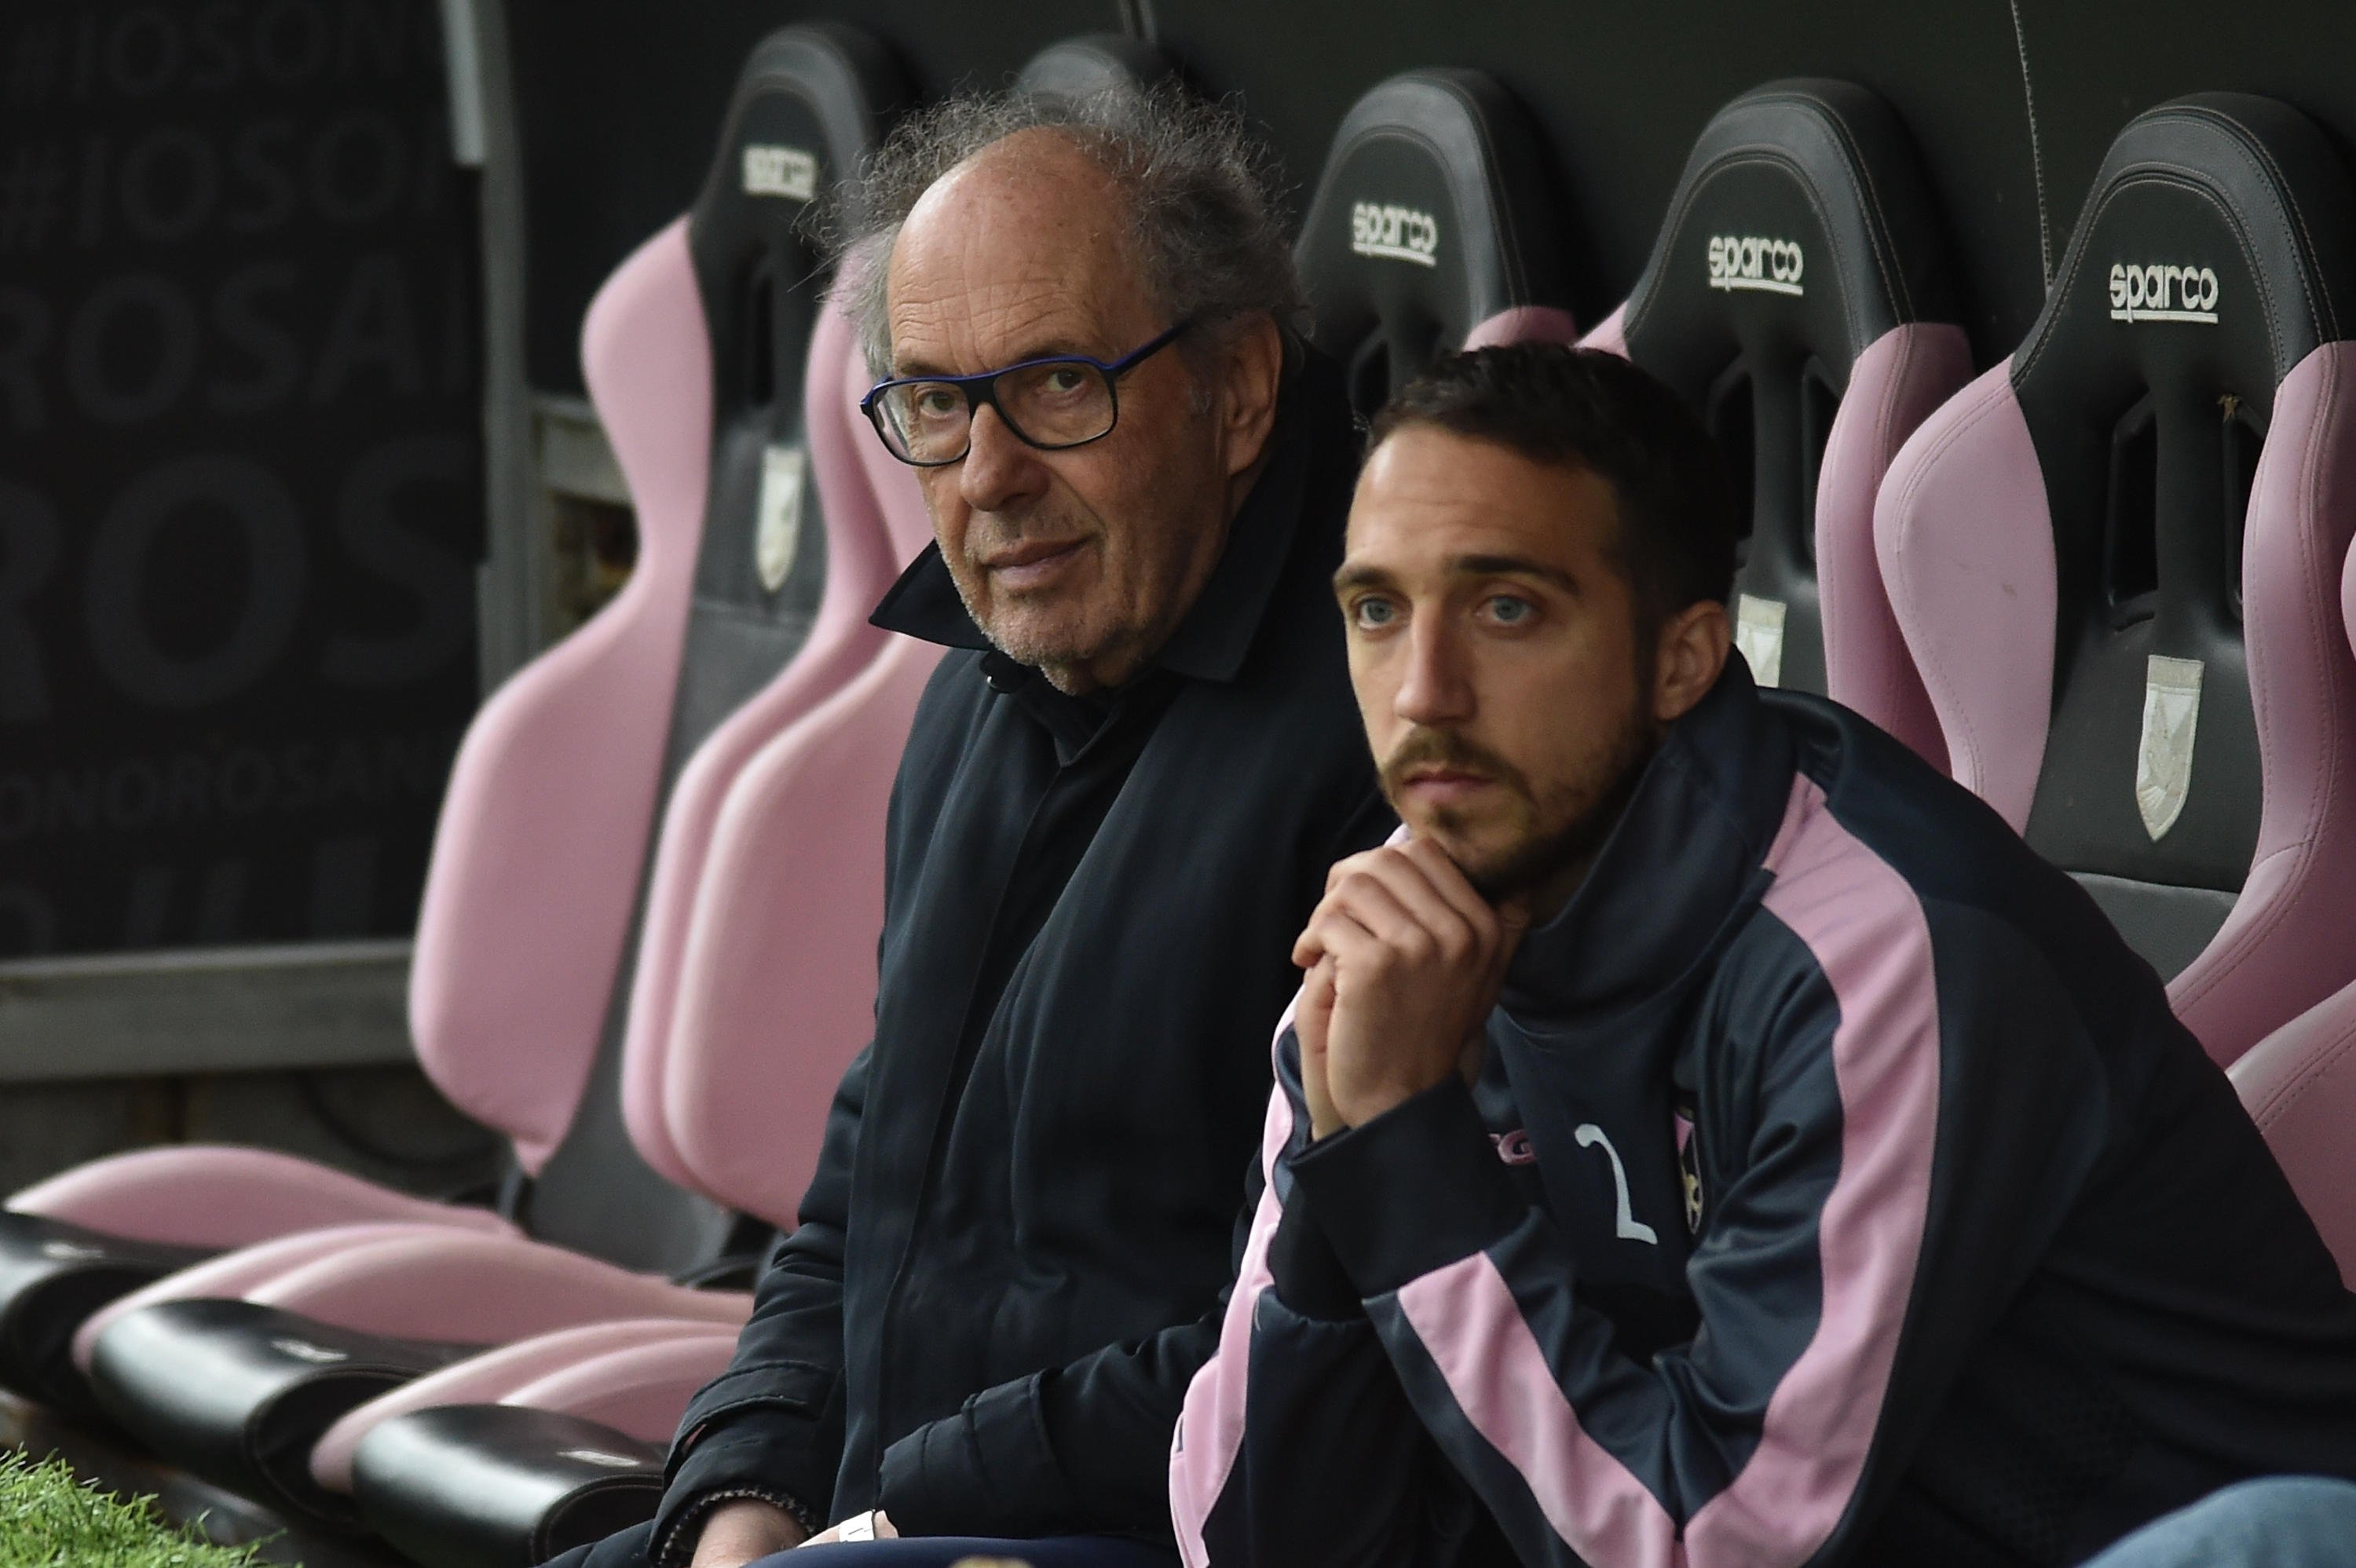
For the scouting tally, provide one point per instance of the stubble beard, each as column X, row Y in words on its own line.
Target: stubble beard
column 1115, row 623
column 1563, row 830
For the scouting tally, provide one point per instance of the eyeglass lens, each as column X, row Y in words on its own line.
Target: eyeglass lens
column 1061, row 402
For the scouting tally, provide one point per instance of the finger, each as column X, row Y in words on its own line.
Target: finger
column 1447, row 881
column 1355, row 953
column 1462, row 932
column 1308, row 945
column 1314, row 1012
column 1369, row 901
column 1348, row 864
column 1311, row 946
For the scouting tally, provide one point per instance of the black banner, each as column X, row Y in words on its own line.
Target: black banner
column 239, row 494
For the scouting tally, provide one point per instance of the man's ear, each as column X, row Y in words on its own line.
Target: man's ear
column 1692, row 651
column 1253, row 371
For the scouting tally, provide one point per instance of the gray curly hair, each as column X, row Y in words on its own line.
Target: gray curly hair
column 1204, row 195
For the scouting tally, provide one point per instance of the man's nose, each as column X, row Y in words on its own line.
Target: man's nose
column 1000, row 471
column 1438, row 687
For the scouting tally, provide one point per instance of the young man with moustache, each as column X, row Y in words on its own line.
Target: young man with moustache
column 1122, row 789
column 1708, row 1134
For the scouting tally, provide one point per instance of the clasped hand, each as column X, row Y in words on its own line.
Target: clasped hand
column 1404, row 962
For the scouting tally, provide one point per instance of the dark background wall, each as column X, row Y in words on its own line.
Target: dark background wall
column 240, row 501
column 620, row 102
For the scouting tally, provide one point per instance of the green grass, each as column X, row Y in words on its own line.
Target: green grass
column 49, row 1519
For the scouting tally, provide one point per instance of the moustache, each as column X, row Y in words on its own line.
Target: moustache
column 1449, row 749
column 992, row 534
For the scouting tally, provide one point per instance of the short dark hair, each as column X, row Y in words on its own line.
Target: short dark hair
column 1579, row 408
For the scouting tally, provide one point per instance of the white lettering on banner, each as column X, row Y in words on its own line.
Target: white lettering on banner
column 1394, row 234
column 2163, row 294
column 1758, row 638
column 2171, row 718
column 1750, row 261
column 1625, row 1225
column 789, row 172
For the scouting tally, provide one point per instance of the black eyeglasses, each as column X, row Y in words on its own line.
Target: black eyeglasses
column 1051, row 404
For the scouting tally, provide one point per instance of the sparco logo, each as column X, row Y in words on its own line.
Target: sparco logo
column 1748, row 261
column 1395, row 233
column 2163, row 294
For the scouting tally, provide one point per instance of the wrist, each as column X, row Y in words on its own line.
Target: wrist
column 737, row 1528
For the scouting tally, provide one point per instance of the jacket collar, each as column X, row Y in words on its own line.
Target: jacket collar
column 1211, row 642
column 1681, row 859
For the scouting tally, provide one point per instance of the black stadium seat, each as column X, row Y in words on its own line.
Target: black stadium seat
column 1097, row 63
column 1436, row 212
column 1801, row 247
column 2115, row 557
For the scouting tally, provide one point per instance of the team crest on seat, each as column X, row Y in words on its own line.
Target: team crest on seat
column 2171, row 713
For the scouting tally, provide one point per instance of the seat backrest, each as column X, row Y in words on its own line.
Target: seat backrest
column 1094, row 63
column 1799, row 299
column 542, row 851
column 777, row 985
column 862, row 562
column 1437, row 213
column 2115, row 562
column 2299, row 1085
column 807, row 107
column 544, row 824
column 809, row 104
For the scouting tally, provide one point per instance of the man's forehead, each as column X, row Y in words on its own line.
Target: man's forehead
column 1014, row 252
column 1431, row 500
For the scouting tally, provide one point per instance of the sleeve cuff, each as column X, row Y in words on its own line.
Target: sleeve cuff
column 1416, row 1188
column 677, row 1546
column 984, row 1471
column 1308, row 1277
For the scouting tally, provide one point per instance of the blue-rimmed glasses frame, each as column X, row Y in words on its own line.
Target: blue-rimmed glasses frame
column 981, row 392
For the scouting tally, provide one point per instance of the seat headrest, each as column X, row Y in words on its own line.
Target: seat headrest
column 1802, row 228
column 809, row 104
column 1436, row 211
column 2218, row 245
column 1084, row 66
column 1800, row 235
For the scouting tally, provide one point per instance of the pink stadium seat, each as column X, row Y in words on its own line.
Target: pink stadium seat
column 440, row 1291
column 529, row 893
column 863, row 556
column 1798, row 298
column 522, row 1373
column 2115, row 559
column 2300, row 1083
column 418, row 1305
column 776, row 978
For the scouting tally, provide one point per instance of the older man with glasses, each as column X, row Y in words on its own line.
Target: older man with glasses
column 1117, row 807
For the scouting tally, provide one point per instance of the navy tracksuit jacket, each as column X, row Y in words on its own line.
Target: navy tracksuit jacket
column 1839, row 1188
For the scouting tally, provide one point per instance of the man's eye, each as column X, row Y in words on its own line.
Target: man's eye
column 1066, row 379
column 1508, row 611
column 1372, row 615
column 937, row 402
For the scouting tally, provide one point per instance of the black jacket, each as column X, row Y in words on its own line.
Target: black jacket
column 1839, row 1189
column 1011, row 1258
